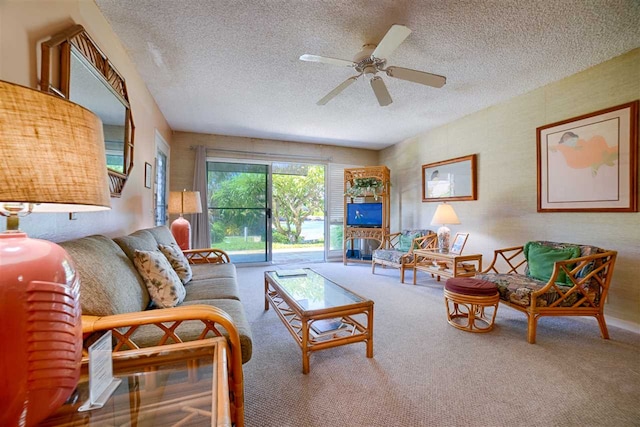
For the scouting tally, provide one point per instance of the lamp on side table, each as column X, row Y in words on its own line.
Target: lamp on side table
column 444, row 215
column 183, row 202
column 52, row 159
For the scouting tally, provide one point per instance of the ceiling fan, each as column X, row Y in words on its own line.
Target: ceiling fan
column 372, row 59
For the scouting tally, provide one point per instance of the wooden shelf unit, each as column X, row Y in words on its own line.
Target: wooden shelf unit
column 361, row 234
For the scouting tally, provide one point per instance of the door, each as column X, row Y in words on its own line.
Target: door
column 161, row 180
column 239, row 211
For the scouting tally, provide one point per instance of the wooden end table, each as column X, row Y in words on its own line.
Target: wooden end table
column 447, row 265
column 318, row 313
column 182, row 384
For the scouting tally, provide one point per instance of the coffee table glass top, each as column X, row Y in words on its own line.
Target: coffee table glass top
column 312, row 291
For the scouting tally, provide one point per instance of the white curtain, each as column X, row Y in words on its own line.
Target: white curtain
column 200, row 223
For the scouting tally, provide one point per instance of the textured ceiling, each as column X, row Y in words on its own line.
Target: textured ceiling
column 231, row 67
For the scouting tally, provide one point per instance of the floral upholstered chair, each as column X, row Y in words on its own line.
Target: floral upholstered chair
column 553, row 279
column 397, row 249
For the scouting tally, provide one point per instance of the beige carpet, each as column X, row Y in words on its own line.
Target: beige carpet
column 426, row 373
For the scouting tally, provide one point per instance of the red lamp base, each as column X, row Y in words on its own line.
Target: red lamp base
column 181, row 230
column 41, row 331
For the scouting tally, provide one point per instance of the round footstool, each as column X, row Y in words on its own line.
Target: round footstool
column 466, row 299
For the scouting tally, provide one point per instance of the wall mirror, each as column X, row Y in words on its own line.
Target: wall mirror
column 453, row 179
column 75, row 68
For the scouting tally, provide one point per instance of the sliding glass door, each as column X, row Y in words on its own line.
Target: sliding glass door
column 260, row 212
column 239, row 214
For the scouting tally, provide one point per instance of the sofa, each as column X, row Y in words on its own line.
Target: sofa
column 543, row 278
column 114, row 296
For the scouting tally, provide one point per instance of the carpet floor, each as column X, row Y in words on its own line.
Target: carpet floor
column 426, row 373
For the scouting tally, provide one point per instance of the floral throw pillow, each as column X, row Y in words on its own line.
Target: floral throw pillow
column 164, row 285
column 178, row 261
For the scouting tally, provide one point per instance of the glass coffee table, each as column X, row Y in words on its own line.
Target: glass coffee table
column 182, row 384
column 318, row 313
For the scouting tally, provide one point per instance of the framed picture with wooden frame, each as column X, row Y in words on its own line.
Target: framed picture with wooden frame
column 458, row 243
column 147, row 174
column 590, row 163
column 453, row 179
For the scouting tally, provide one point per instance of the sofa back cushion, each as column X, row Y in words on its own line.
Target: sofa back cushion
column 109, row 282
column 163, row 235
column 140, row 240
column 541, row 258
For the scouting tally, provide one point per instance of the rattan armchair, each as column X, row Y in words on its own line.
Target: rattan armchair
column 582, row 293
column 391, row 255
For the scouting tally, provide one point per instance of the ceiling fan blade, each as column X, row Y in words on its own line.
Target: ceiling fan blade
column 342, row 86
column 327, row 60
column 391, row 40
column 380, row 89
column 416, row 76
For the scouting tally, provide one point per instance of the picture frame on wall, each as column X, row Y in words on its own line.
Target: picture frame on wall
column 589, row 163
column 148, row 174
column 449, row 180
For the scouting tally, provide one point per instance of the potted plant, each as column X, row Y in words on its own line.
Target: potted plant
column 365, row 187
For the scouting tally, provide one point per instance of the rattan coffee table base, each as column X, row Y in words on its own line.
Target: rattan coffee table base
column 467, row 312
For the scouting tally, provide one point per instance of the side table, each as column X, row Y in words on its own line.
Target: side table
column 445, row 264
column 182, row 384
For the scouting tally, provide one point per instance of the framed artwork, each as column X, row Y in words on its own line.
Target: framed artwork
column 453, row 179
column 590, row 163
column 458, row 243
column 148, row 172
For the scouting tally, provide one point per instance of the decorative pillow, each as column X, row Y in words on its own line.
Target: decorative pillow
column 541, row 259
column 178, row 261
column 406, row 241
column 164, row 285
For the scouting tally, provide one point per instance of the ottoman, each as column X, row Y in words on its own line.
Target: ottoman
column 467, row 299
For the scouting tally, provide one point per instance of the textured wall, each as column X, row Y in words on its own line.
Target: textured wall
column 183, row 157
column 23, row 25
column 504, row 137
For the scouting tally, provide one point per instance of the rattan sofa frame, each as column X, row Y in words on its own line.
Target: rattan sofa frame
column 585, row 304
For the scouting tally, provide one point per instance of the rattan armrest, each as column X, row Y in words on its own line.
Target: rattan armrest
column 207, row 256
column 510, row 257
column 168, row 319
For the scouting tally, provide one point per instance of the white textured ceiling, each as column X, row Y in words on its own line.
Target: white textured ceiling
column 231, row 67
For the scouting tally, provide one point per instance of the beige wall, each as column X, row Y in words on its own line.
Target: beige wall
column 23, row 24
column 504, row 137
column 183, row 157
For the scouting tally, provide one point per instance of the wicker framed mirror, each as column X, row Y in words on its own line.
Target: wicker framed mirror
column 74, row 67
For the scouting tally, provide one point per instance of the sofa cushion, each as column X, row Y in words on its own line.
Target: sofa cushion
column 177, row 260
column 110, row 283
column 517, row 289
column 162, row 234
column 164, row 285
column 541, row 259
column 388, row 255
column 213, row 271
column 190, row 330
column 221, row 288
column 406, row 241
column 141, row 240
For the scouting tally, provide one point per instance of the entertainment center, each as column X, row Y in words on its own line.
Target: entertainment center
column 366, row 211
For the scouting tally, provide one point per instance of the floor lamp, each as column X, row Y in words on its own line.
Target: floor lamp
column 52, row 159
column 444, row 215
column 183, row 202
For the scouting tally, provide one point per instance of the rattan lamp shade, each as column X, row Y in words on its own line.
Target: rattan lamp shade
column 51, row 153
column 185, row 202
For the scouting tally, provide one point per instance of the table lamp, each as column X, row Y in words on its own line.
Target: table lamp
column 52, row 159
column 444, row 215
column 183, row 202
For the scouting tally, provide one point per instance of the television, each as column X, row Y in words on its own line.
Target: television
column 364, row 214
